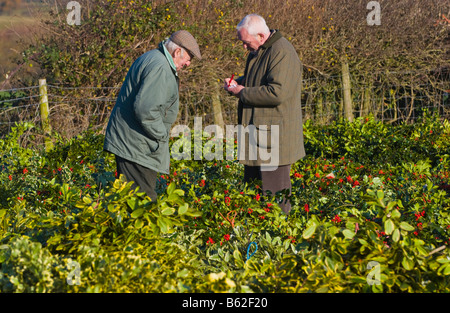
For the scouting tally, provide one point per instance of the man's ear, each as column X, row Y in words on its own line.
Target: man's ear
column 176, row 53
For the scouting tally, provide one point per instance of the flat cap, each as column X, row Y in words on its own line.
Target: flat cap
column 184, row 39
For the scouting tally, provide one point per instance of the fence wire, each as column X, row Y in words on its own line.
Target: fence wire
column 75, row 109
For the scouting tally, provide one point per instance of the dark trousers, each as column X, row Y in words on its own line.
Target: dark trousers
column 272, row 181
column 142, row 177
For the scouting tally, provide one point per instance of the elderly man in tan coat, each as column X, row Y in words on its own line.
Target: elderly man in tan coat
column 269, row 95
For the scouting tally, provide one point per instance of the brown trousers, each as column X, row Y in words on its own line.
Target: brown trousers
column 272, row 182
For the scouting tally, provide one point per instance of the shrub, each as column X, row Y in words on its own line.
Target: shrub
column 360, row 222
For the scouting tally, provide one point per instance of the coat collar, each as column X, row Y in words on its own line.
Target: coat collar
column 274, row 36
column 169, row 58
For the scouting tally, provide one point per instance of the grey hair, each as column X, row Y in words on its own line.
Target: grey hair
column 171, row 47
column 254, row 24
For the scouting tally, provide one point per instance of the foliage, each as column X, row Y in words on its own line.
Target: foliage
column 6, row 96
column 395, row 67
column 370, row 214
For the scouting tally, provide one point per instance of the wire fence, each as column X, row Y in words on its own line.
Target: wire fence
column 71, row 109
column 75, row 109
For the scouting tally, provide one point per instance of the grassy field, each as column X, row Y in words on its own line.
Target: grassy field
column 17, row 29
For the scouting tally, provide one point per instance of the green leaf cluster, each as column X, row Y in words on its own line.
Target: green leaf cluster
column 67, row 224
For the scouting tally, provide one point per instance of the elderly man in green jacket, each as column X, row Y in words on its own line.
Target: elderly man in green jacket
column 269, row 95
column 147, row 106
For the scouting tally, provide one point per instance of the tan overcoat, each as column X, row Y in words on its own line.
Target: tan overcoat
column 270, row 103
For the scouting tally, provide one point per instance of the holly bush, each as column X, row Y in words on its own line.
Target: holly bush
column 370, row 213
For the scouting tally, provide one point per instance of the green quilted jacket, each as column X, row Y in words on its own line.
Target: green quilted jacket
column 147, row 106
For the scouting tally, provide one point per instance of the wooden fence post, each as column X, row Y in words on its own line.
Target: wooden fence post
column 217, row 107
column 346, row 86
column 366, row 100
column 43, row 106
column 320, row 116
